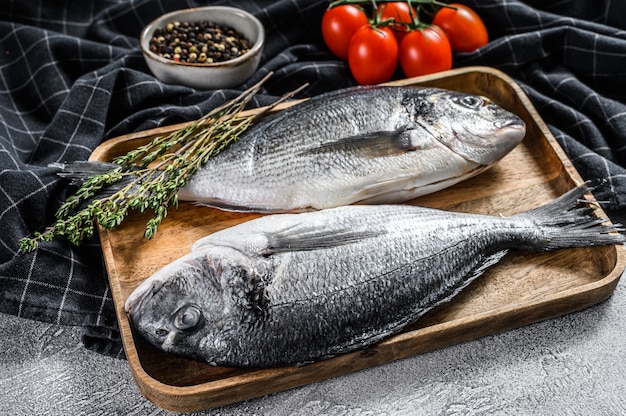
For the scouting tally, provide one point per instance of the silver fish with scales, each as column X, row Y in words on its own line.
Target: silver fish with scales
column 296, row 288
column 358, row 145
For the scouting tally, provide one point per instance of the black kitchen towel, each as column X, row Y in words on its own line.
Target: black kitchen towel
column 72, row 76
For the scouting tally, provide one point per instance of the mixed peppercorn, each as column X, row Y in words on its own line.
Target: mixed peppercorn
column 201, row 42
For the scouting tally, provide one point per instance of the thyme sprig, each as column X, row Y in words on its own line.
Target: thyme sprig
column 151, row 175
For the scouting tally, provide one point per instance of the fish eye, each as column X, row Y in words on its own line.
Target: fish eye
column 470, row 101
column 187, row 317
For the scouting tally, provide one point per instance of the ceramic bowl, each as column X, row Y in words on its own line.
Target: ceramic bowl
column 217, row 75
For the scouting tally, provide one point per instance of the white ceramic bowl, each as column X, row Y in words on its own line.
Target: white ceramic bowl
column 217, row 75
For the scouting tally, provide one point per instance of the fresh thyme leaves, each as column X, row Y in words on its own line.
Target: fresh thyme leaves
column 150, row 175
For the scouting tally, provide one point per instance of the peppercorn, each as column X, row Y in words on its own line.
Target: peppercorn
column 198, row 42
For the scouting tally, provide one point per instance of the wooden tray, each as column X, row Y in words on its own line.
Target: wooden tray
column 524, row 288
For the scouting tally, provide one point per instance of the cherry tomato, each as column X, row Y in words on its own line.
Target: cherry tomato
column 338, row 26
column 373, row 55
column 464, row 28
column 425, row 51
column 399, row 11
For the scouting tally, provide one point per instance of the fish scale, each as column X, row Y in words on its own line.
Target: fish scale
column 296, row 288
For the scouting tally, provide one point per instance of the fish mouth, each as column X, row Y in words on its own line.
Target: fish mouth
column 509, row 134
column 511, row 130
column 488, row 149
column 145, row 291
column 151, row 286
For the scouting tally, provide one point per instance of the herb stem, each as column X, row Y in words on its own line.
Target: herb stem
column 149, row 176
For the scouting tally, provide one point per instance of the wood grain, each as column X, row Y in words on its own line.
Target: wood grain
column 523, row 288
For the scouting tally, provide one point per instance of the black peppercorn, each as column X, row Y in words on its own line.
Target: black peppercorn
column 198, row 42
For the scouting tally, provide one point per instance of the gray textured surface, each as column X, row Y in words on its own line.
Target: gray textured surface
column 571, row 365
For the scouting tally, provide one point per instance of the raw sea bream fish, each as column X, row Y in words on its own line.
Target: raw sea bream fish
column 366, row 145
column 289, row 289
column 357, row 145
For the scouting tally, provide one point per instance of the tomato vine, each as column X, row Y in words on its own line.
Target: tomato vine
column 371, row 35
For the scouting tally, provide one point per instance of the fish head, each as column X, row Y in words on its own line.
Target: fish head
column 472, row 126
column 182, row 307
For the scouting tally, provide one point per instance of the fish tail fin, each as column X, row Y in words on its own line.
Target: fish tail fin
column 79, row 171
column 568, row 221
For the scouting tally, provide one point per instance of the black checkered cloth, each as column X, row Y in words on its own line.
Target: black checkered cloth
column 72, row 76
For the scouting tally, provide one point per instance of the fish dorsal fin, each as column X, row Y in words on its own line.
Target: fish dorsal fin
column 378, row 143
column 369, row 193
column 460, row 284
column 305, row 238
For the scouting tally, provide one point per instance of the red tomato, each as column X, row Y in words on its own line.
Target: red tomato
column 464, row 28
column 425, row 51
column 338, row 26
column 399, row 11
column 373, row 55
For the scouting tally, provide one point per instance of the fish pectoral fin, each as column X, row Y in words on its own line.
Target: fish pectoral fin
column 383, row 192
column 378, row 143
column 302, row 238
